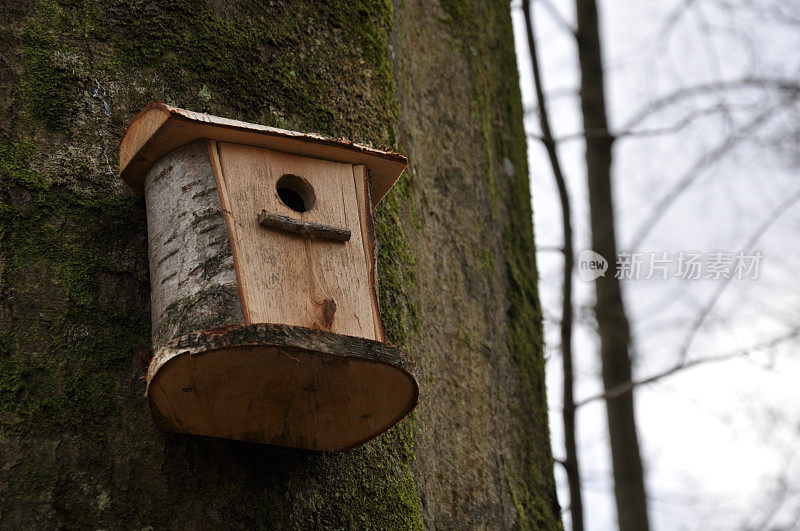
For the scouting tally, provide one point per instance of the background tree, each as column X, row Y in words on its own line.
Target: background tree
column 702, row 112
column 457, row 276
column 613, row 328
column 571, row 461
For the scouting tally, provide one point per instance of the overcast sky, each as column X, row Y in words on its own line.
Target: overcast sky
column 718, row 439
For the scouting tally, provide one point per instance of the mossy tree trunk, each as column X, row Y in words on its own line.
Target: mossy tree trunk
column 436, row 80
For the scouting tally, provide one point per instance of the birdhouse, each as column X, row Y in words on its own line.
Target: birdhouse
column 265, row 318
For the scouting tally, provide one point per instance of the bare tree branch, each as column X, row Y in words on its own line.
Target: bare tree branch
column 688, row 364
column 639, row 133
column 768, row 222
column 708, row 159
column 552, row 95
column 683, row 363
column 789, row 86
column 673, row 18
column 558, row 17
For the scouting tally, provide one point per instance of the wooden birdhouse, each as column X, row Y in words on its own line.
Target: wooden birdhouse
column 265, row 317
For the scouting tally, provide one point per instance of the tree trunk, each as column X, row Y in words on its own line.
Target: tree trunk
column 457, row 277
column 571, row 461
column 612, row 322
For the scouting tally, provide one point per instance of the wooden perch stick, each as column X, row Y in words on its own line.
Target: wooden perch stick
column 303, row 228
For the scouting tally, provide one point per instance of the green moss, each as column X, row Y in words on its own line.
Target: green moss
column 395, row 271
column 486, row 261
column 48, row 90
column 59, row 371
column 292, row 64
column 466, row 339
column 372, row 488
column 67, row 231
column 482, row 111
column 462, row 14
column 14, row 160
column 73, row 284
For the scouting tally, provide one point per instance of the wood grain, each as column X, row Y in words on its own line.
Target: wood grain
column 281, row 385
column 160, row 128
column 285, row 279
column 213, row 155
column 361, row 180
column 137, row 135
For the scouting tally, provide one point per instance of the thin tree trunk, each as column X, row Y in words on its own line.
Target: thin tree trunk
column 456, row 270
column 612, row 322
column 571, row 462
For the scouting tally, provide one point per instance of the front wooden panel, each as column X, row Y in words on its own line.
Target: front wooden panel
column 284, row 278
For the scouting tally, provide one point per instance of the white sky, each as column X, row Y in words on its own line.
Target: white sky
column 718, row 439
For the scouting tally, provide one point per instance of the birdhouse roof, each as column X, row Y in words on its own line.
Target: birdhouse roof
column 160, row 129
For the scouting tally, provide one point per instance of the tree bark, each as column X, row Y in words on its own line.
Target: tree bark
column 612, row 322
column 188, row 240
column 456, row 270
